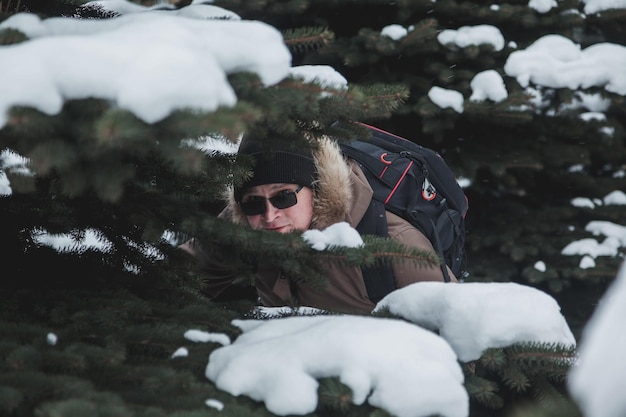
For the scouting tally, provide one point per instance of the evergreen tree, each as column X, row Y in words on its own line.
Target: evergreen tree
column 121, row 313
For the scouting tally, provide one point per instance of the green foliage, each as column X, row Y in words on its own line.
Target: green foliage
column 310, row 38
column 112, row 353
column 292, row 254
column 335, row 395
column 522, row 373
column 335, row 400
column 483, row 391
column 11, row 36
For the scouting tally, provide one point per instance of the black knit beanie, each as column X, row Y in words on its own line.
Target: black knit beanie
column 276, row 163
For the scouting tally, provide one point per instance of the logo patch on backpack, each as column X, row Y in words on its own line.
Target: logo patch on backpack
column 428, row 191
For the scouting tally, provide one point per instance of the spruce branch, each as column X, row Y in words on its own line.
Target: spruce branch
column 515, row 379
column 11, row 37
column 291, row 254
column 307, row 38
column 484, row 392
column 383, row 99
column 375, row 250
column 493, row 359
column 550, row 359
column 334, row 395
column 523, row 370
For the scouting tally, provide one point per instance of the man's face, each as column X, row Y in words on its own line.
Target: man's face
column 296, row 217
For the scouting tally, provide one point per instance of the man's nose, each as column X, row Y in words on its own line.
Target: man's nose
column 271, row 212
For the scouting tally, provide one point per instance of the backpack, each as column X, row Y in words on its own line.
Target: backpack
column 416, row 184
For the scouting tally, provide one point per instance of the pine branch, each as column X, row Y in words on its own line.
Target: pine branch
column 307, row 38
column 533, row 371
column 334, row 395
column 515, row 379
column 377, row 249
column 483, row 391
column 493, row 359
column 551, row 360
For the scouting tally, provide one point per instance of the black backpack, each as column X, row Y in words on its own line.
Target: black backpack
column 416, row 184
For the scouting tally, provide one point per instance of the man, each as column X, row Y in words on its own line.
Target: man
column 300, row 188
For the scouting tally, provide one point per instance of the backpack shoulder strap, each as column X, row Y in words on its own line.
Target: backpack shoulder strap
column 379, row 278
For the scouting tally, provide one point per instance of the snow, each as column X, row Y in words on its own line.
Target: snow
column 395, row 32
column 338, row 234
column 89, row 240
column 197, row 9
column 389, row 363
column 473, row 317
column 201, row 336
column 402, row 366
column 397, row 365
column 488, row 85
column 614, row 239
column 596, row 380
column 324, row 75
column 616, row 197
column 592, row 116
column 446, row 98
column 595, row 6
column 587, row 262
column 115, row 59
column 542, row 6
column 212, row 403
column 207, row 50
column 51, row 339
column 540, row 266
column 583, row 202
column 590, row 247
column 181, row 352
column 472, row 35
column 551, row 61
column 557, row 62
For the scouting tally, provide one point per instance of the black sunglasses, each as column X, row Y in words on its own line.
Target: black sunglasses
column 255, row 204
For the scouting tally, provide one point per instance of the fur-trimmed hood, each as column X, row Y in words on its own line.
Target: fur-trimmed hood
column 333, row 188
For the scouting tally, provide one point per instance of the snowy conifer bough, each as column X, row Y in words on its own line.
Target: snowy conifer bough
column 115, row 59
column 398, row 366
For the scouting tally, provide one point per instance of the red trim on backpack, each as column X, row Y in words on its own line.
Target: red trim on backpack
column 380, row 130
column 399, row 181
